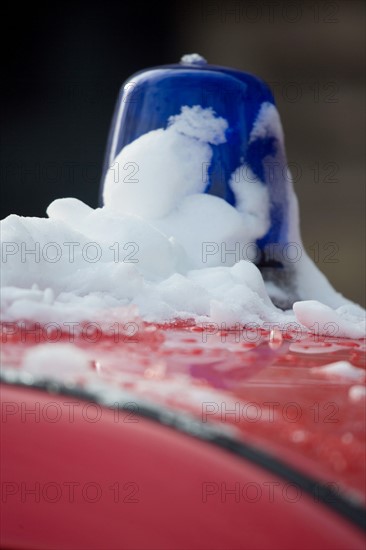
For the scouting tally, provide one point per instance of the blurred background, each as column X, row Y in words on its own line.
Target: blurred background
column 66, row 61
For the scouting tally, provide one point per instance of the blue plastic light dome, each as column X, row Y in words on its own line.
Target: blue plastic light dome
column 148, row 98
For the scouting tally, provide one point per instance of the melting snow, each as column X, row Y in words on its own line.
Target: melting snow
column 156, row 243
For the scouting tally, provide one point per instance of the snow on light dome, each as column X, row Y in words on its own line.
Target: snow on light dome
column 154, row 243
column 193, row 59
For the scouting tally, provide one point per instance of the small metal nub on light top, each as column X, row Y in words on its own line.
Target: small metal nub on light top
column 193, row 59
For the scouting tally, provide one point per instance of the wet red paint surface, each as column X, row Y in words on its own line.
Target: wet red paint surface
column 269, row 387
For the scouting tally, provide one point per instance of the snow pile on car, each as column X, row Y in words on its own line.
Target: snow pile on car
column 160, row 244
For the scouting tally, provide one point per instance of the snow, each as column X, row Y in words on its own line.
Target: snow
column 357, row 393
column 267, row 124
column 163, row 246
column 61, row 359
column 252, row 202
column 341, row 369
column 342, row 321
column 193, row 59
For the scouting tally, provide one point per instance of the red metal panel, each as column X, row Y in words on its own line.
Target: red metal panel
column 75, row 483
